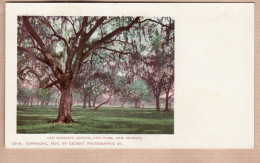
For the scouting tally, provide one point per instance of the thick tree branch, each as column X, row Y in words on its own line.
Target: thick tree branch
column 33, row 33
column 102, row 103
column 170, row 96
column 56, row 34
column 49, row 75
column 50, row 84
column 109, row 36
column 115, row 32
column 83, row 39
column 56, row 70
column 21, row 72
column 72, row 24
column 27, row 51
column 116, row 51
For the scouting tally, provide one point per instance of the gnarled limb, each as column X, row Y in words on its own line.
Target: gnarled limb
column 96, row 108
column 50, row 84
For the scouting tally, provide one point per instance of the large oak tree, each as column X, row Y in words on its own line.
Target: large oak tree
column 63, row 44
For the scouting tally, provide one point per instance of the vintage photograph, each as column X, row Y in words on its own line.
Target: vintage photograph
column 95, row 75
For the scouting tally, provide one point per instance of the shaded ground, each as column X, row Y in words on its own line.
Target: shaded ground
column 38, row 119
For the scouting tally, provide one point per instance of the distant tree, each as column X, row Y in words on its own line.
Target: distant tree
column 168, row 78
column 124, row 94
column 77, row 96
column 24, row 95
column 138, row 89
column 44, row 96
column 89, row 84
column 111, row 83
column 157, row 67
column 55, row 96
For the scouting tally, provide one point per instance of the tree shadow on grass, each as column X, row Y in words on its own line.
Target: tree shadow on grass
column 52, row 121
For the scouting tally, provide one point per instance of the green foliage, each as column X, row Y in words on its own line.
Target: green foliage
column 77, row 95
column 156, row 43
column 24, row 93
column 138, row 89
column 44, row 94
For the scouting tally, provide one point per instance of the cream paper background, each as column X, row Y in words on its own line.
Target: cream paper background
column 214, row 76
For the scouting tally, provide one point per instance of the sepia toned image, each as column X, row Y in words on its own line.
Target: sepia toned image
column 95, row 75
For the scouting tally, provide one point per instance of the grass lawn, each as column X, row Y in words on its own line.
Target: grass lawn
column 38, row 119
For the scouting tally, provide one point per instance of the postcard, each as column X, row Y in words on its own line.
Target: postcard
column 129, row 75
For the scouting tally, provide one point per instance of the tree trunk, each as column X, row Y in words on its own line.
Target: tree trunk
column 123, row 103
column 89, row 101
column 72, row 101
column 167, row 102
column 136, row 103
column 64, row 115
column 47, row 103
column 103, row 103
column 157, row 102
column 31, row 100
column 84, row 102
column 94, row 102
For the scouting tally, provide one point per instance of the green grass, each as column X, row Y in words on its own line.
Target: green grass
column 38, row 119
